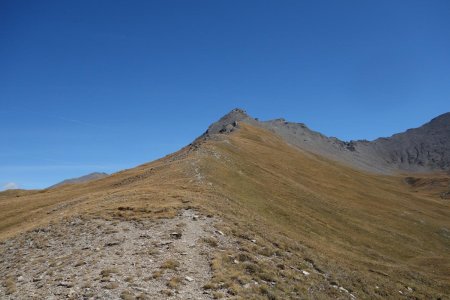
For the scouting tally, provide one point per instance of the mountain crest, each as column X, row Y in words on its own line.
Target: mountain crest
column 442, row 120
column 229, row 122
column 85, row 178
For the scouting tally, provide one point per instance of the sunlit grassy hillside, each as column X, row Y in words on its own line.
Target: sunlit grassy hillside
column 373, row 234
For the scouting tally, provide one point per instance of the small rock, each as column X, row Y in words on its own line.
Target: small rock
column 219, row 232
column 190, row 279
column 236, row 261
column 306, row 273
column 39, row 285
column 113, row 243
column 195, row 218
column 20, row 278
column 253, row 241
column 343, row 289
column 175, row 235
column 71, row 293
column 65, row 284
column 409, row 289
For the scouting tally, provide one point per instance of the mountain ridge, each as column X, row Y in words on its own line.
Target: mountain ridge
column 422, row 149
column 81, row 179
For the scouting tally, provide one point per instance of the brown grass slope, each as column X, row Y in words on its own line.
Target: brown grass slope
column 157, row 188
column 305, row 227
column 365, row 231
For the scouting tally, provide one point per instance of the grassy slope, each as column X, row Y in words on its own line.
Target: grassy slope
column 364, row 229
column 157, row 189
column 345, row 227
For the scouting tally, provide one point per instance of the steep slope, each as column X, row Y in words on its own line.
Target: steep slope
column 346, row 221
column 420, row 149
column 283, row 223
column 85, row 178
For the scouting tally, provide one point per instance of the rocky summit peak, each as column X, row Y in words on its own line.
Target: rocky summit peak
column 229, row 122
column 237, row 110
column 236, row 114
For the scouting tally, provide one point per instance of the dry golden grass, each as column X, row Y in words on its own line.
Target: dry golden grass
column 154, row 190
column 211, row 241
column 10, row 285
column 174, row 282
column 108, row 272
column 349, row 223
column 157, row 274
column 170, row 264
column 433, row 185
column 288, row 210
column 218, row 295
column 126, row 295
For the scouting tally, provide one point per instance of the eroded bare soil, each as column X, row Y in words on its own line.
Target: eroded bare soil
column 104, row 259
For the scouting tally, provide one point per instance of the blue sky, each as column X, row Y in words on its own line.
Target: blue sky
column 105, row 85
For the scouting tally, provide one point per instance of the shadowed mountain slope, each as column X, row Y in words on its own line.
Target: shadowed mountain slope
column 426, row 148
column 299, row 224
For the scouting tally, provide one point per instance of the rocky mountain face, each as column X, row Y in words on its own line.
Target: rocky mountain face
column 426, row 148
column 230, row 122
column 85, row 178
column 422, row 149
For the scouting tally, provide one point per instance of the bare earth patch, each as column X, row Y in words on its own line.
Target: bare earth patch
column 97, row 258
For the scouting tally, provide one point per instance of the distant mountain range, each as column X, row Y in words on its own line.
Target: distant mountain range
column 85, row 178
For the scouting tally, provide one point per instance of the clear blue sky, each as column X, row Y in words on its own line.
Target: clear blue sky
column 105, row 85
